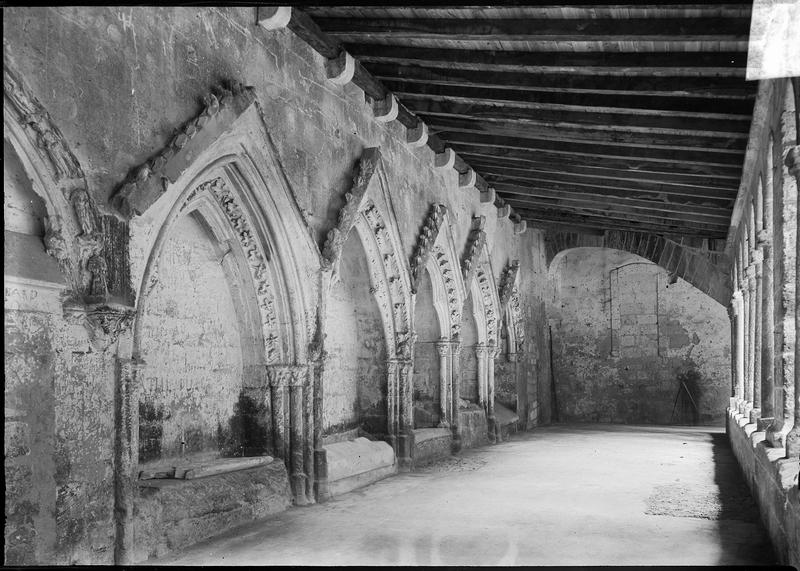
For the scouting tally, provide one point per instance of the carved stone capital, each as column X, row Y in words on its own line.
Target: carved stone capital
column 443, row 347
column 287, row 375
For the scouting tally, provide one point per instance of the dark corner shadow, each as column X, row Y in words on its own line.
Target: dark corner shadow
column 742, row 535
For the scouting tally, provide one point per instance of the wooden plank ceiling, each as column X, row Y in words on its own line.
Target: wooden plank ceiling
column 592, row 116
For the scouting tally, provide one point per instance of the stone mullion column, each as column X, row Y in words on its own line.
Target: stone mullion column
column 732, row 315
column 749, row 336
column 405, row 417
column 793, row 437
column 480, row 353
column 755, row 413
column 297, row 447
column 443, row 348
column 739, row 349
column 317, row 368
column 277, row 385
column 494, row 429
column 309, row 432
column 392, row 403
column 767, row 324
column 455, row 384
column 127, row 456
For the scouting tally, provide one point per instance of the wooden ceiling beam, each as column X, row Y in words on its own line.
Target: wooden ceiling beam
column 697, row 88
column 519, row 166
column 626, row 164
column 551, row 115
column 639, row 223
column 620, row 205
column 544, row 29
column 658, row 64
column 601, row 99
column 686, row 140
column 503, row 185
column 614, row 152
column 572, row 224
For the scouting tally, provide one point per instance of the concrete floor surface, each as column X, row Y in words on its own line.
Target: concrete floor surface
column 558, row 495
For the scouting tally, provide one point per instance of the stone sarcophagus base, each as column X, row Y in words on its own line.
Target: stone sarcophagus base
column 506, row 420
column 474, row 427
column 356, row 463
column 171, row 514
column 431, row 444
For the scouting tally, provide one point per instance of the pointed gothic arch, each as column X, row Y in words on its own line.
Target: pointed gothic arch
column 368, row 210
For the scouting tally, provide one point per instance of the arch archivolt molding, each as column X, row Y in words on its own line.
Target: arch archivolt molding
column 510, row 308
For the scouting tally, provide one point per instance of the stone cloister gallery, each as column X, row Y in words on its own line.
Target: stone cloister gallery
column 236, row 284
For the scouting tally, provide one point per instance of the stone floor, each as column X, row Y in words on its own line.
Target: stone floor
column 559, row 495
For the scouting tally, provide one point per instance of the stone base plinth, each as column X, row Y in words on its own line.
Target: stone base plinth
column 171, row 514
column 474, row 428
column 356, row 463
column 431, row 444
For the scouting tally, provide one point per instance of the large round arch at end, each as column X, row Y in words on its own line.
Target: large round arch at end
column 702, row 269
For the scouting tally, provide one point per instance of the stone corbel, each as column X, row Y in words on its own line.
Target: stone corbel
column 520, row 227
column 504, row 211
column 488, row 196
column 467, row 179
column 104, row 322
column 418, row 136
column 146, row 183
column 445, row 160
column 332, row 250
column 386, row 109
column 341, row 69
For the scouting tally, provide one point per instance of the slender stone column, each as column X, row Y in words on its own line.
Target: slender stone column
column 793, row 437
column 739, row 349
column 757, row 258
column 494, row 429
column 732, row 309
column 443, row 347
column 749, row 299
column 767, row 322
column 317, row 368
column 405, row 432
column 297, row 435
column 455, row 423
column 127, row 456
column 392, row 403
column 480, row 352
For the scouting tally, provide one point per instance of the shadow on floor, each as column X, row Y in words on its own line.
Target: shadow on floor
column 742, row 535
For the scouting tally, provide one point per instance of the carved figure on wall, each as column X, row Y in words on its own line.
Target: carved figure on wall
column 84, row 211
column 98, row 287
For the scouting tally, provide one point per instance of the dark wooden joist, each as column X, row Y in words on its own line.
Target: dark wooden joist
column 552, row 115
column 701, row 157
column 675, row 139
column 619, row 206
column 467, row 151
column 701, row 90
column 742, row 107
column 658, row 64
column 601, row 221
column 556, row 187
column 575, row 225
column 516, row 165
column 544, row 29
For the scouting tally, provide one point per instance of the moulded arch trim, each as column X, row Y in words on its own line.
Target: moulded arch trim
column 247, row 154
column 448, row 286
column 484, row 296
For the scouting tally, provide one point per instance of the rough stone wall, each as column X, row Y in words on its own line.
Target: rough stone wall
column 426, row 357
column 356, row 372
column 118, row 82
column 625, row 338
column 191, row 347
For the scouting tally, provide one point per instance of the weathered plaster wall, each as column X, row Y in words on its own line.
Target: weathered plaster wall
column 192, row 350
column 624, row 338
column 355, row 375
column 118, row 82
column 426, row 357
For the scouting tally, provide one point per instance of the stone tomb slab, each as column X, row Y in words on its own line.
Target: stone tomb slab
column 356, row 463
column 431, row 444
column 171, row 514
